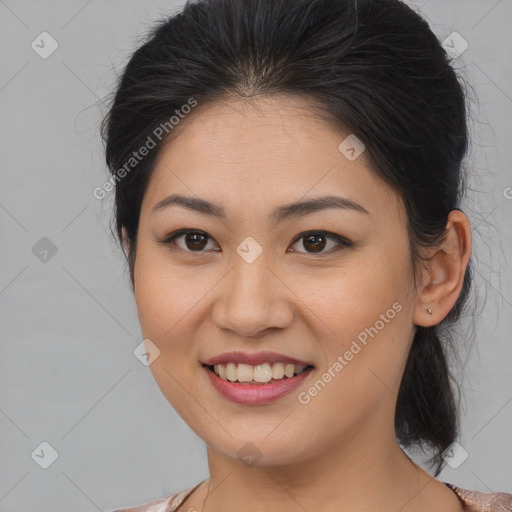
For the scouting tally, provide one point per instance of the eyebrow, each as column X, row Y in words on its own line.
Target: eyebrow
column 292, row 210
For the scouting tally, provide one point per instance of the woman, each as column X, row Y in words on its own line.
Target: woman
column 288, row 185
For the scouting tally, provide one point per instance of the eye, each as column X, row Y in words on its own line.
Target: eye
column 313, row 241
column 194, row 241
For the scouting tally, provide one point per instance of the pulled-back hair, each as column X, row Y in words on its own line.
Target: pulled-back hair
column 373, row 68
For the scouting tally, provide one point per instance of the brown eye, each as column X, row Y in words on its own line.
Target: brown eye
column 193, row 241
column 315, row 242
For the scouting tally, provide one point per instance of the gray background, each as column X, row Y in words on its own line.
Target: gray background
column 69, row 325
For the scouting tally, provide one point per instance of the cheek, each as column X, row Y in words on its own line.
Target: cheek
column 169, row 308
column 368, row 312
column 165, row 303
column 165, row 295
column 350, row 300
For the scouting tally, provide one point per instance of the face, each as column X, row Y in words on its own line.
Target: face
column 327, row 286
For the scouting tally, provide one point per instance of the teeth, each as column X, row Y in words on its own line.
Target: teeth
column 277, row 370
column 245, row 373
column 261, row 373
column 231, row 372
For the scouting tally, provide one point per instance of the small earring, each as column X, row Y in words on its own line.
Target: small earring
column 429, row 311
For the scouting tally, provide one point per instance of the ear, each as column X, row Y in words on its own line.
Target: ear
column 444, row 276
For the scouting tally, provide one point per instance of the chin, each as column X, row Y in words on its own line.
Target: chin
column 252, row 448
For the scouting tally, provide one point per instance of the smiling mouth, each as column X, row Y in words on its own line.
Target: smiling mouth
column 266, row 373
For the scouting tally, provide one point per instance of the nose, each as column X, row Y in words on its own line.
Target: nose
column 253, row 298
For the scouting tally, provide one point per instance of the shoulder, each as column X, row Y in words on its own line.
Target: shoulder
column 167, row 504
column 476, row 501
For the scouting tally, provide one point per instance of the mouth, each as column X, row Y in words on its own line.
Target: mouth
column 257, row 385
column 265, row 373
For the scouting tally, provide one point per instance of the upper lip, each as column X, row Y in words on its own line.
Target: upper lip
column 253, row 359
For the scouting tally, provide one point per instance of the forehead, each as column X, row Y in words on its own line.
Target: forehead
column 274, row 149
column 235, row 129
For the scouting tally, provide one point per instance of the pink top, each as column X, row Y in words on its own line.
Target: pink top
column 473, row 501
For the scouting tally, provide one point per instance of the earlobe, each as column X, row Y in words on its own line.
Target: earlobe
column 444, row 275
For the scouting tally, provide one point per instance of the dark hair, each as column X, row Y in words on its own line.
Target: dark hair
column 371, row 67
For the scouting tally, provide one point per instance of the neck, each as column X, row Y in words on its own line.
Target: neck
column 363, row 473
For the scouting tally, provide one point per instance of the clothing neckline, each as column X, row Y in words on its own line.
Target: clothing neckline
column 180, row 497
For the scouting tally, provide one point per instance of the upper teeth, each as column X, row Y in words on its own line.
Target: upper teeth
column 260, row 373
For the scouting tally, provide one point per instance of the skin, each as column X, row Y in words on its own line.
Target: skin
column 339, row 451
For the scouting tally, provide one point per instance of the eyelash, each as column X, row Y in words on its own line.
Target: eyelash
column 343, row 243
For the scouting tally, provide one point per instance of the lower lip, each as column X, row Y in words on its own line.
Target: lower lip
column 255, row 394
